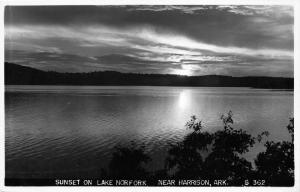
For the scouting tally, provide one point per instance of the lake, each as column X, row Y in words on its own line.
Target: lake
column 62, row 131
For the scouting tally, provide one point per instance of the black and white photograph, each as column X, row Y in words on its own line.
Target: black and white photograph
column 149, row 95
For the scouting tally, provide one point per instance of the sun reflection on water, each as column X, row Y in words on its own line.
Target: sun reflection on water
column 184, row 99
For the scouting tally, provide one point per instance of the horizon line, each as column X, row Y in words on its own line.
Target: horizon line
column 166, row 74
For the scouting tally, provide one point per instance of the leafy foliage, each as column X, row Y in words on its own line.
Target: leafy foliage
column 213, row 155
column 276, row 164
column 223, row 155
column 128, row 163
column 290, row 128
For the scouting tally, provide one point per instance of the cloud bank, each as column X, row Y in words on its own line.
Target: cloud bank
column 186, row 40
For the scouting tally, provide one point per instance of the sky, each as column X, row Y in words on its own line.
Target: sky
column 172, row 39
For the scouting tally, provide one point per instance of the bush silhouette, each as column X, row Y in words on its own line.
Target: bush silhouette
column 128, row 163
column 221, row 149
column 213, row 155
column 218, row 155
column 276, row 164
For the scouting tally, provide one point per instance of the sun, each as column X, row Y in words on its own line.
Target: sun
column 183, row 72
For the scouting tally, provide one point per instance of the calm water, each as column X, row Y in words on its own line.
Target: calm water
column 61, row 131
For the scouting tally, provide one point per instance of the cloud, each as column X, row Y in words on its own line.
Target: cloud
column 188, row 43
column 193, row 40
column 249, row 10
column 262, row 10
column 138, row 38
column 220, row 25
column 157, row 8
column 62, row 62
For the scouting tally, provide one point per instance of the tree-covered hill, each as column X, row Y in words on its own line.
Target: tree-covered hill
column 21, row 75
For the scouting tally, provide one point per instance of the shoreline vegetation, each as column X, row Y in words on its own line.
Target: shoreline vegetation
column 21, row 75
column 203, row 155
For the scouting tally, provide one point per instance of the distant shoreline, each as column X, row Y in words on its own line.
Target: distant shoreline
column 270, row 89
column 21, row 75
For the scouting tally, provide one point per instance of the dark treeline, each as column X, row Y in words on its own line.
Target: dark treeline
column 213, row 155
column 21, row 75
